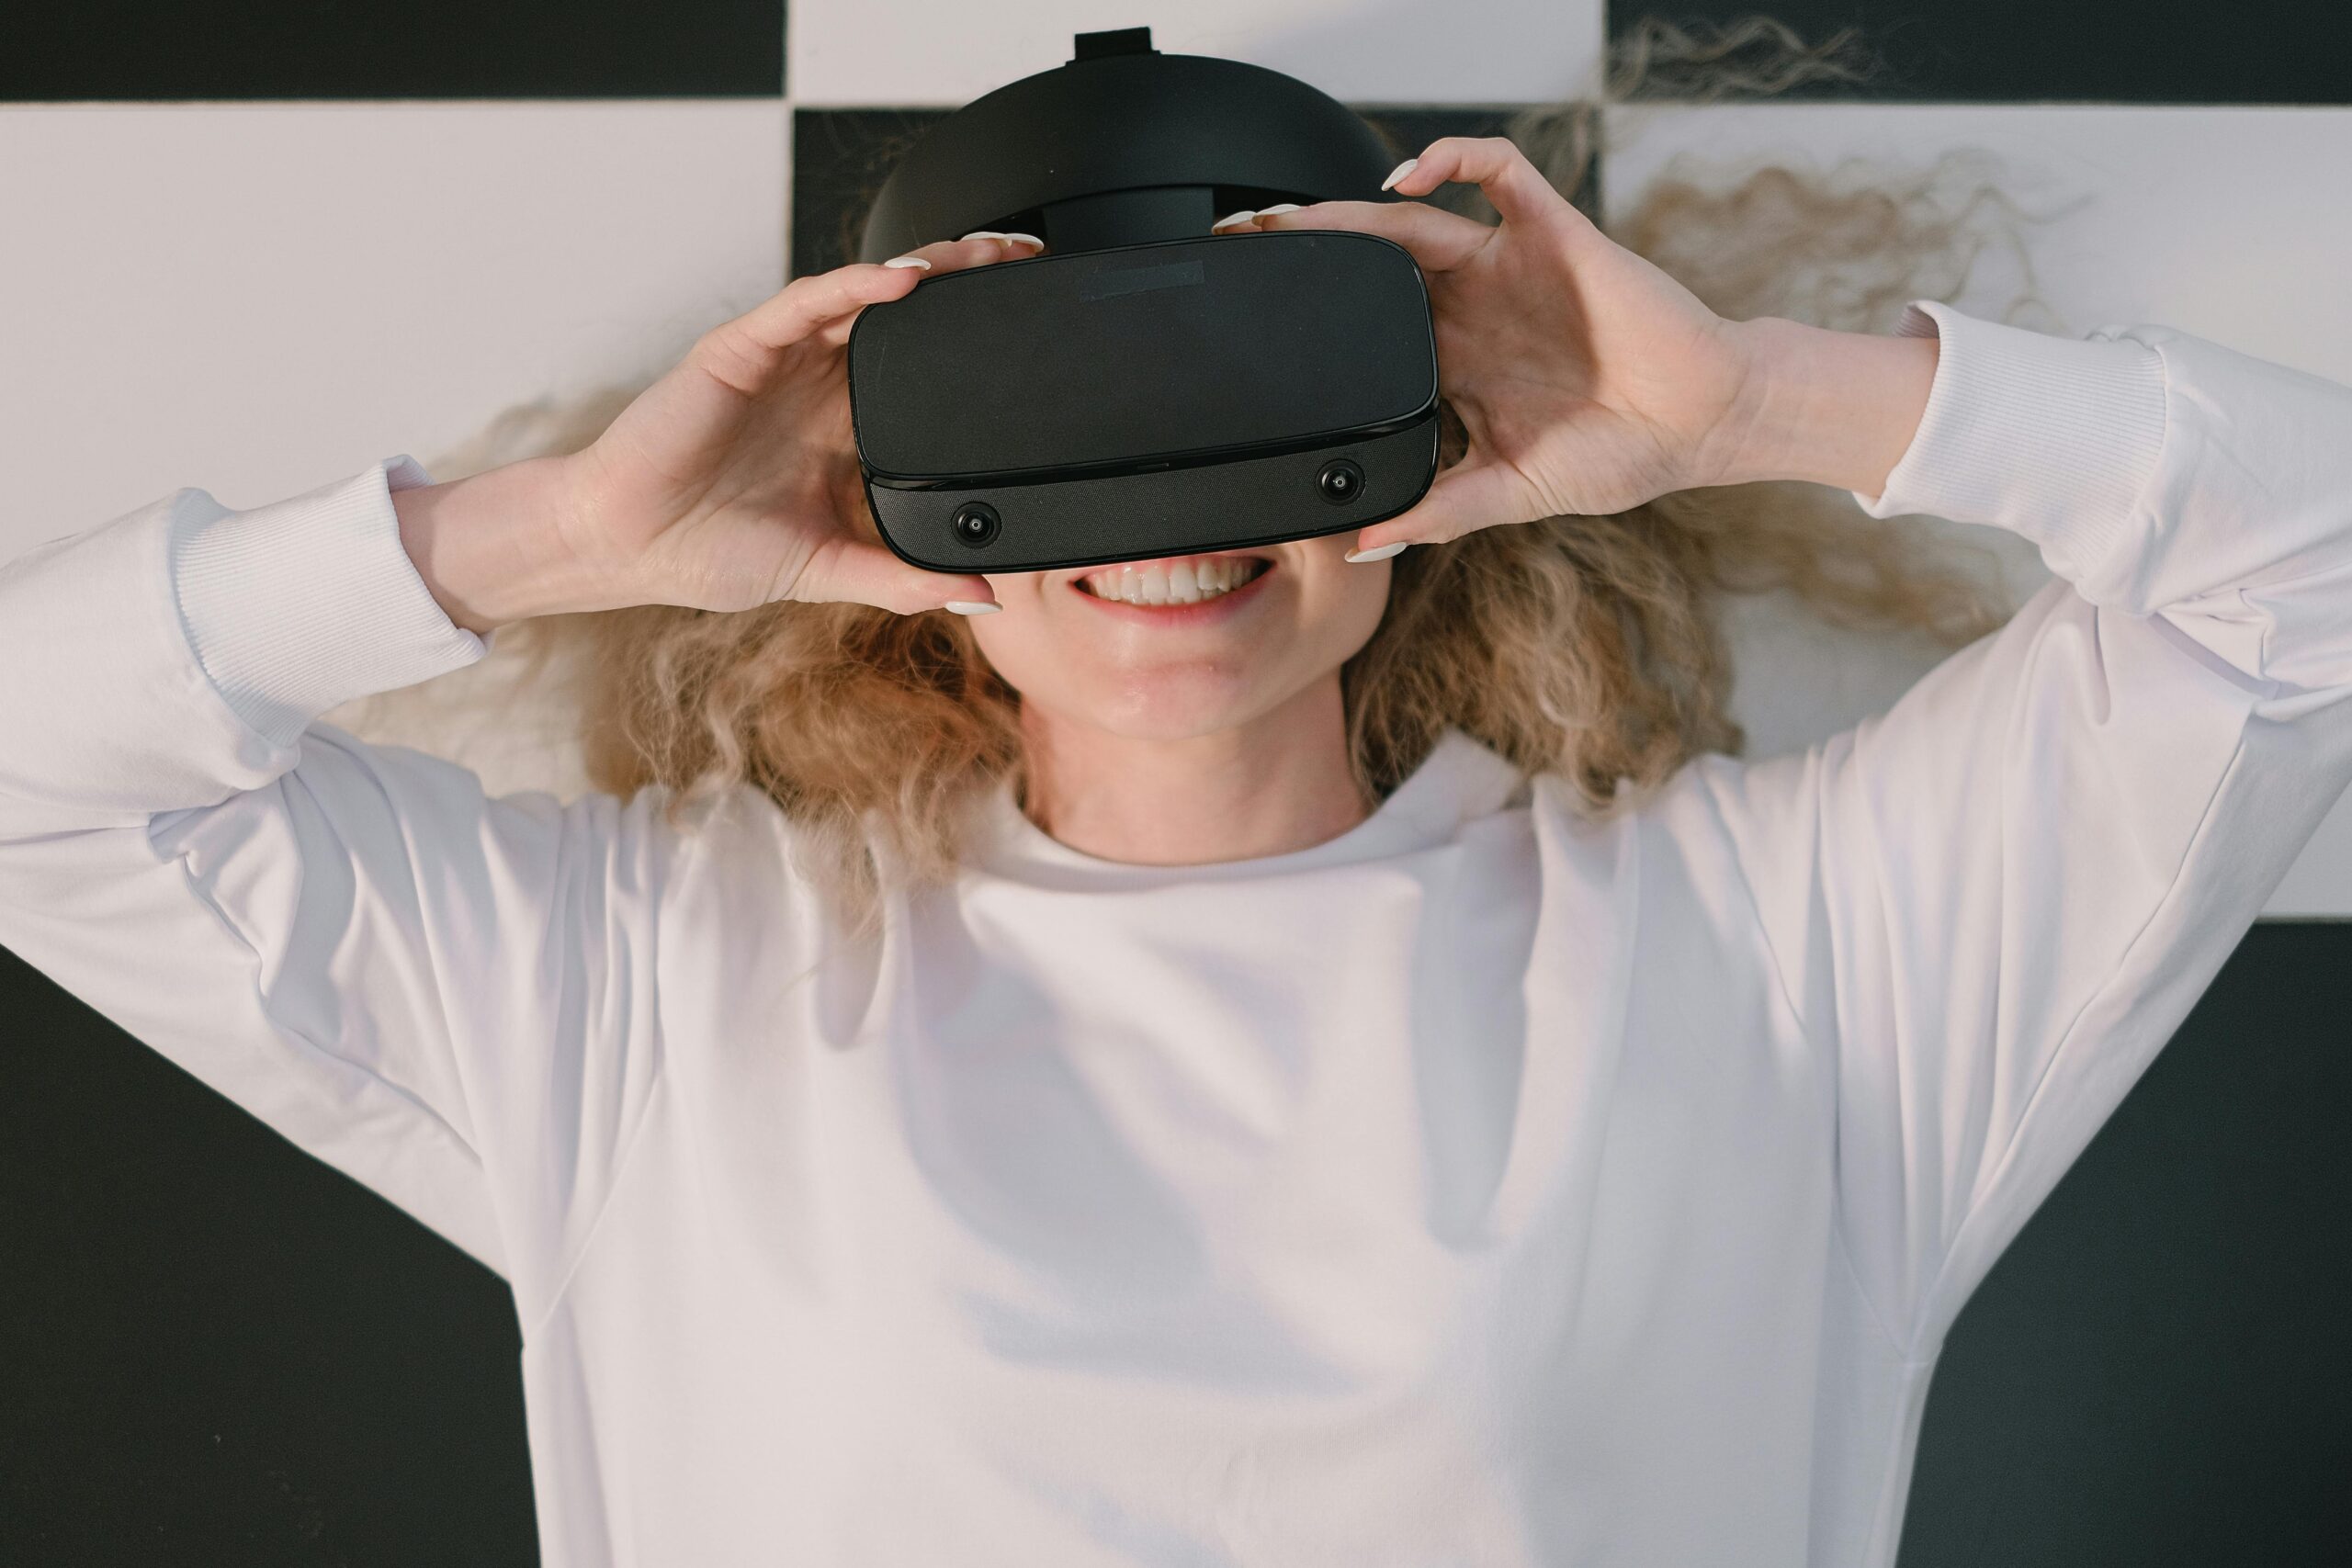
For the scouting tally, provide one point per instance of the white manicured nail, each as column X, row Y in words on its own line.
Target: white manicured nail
column 971, row 607
column 1383, row 553
column 985, row 234
column 907, row 261
column 1278, row 207
column 1399, row 173
column 1232, row 217
column 1028, row 239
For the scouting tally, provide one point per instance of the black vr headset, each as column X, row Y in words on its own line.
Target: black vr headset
column 1143, row 387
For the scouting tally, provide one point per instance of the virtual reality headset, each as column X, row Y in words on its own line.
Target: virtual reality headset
column 1143, row 387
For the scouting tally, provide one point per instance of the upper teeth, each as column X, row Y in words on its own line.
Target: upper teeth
column 1186, row 582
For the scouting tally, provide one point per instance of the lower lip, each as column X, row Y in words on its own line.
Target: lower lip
column 1206, row 611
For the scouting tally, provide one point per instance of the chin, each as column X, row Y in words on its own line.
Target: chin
column 1157, row 718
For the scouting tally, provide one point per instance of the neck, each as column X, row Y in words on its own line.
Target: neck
column 1271, row 786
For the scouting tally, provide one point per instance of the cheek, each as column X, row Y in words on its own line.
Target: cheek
column 1022, row 643
column 1348, row 600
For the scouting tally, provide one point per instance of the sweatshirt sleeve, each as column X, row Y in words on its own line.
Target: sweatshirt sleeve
column 447, row 997
column 1994, row 904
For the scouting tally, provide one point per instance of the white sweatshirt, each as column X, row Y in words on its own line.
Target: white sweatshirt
column 1482, row 1186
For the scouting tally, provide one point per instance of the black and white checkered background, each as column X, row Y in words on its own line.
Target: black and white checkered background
column 258, row 245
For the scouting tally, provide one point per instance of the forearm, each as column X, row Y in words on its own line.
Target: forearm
column 1832, row 407
column 489, row 547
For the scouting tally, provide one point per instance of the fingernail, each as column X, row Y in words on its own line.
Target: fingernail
column 1383, row 553
column 912, row 261
column 1399, row 173
column 1028, row 239
column 1278, row 207
column 971, row 607
column 985, row 234
column 1231, row 218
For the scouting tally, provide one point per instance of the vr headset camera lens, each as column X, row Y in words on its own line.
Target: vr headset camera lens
column 1341, row 481
column 976, row 522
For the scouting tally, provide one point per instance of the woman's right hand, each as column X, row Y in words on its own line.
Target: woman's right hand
column 732, row 481
column 729, row 482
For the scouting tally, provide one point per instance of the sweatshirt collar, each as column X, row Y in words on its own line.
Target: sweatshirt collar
column 1459, row 781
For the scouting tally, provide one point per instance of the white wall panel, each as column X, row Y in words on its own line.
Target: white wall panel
column 2232, row 224
column 256, row 298
column 911, row 52
column 2155, row 220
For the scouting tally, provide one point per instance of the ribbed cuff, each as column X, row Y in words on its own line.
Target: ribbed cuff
column 298, row 606
column 2051, row 437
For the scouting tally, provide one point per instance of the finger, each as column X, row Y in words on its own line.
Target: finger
column 1495, row 165
column 1439, row 241
column 1465, row 498
column 977, row 248
column 853, row 570
column 807, row 303
column 1015, row 239
column 745, row 351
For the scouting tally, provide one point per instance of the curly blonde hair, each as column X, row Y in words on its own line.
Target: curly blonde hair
column 1584, row 647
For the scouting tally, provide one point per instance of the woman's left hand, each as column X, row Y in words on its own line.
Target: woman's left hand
column 1589, row 381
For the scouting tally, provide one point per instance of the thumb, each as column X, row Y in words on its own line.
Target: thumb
column 853, row 570
column 1469, row 496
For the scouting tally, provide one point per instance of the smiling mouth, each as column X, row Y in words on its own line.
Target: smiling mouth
column 1180, row 579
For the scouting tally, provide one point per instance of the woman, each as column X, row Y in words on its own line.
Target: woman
column 1222, row 1166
